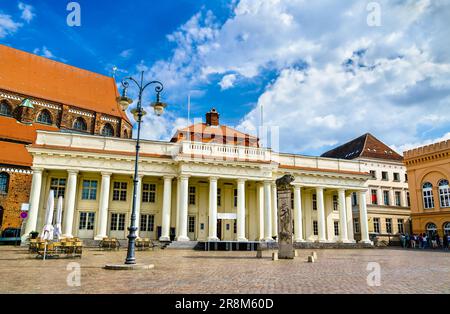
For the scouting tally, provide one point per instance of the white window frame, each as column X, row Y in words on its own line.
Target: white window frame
column 376, row 225
column 427, row 195
column 444, row 193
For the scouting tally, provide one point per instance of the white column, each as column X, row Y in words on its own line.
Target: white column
column 298, row 224
column 138, row 204
column 167, row 200
column 267, row 212
column 35, row 196
column 349, row 213
column 69, row 212
column 103, row 206
column 321, row 214
column 212, row 210
column 363, row 217
column 404, row 202
column 343, row 235
column 177, row 221
column 241, row 210
column 391, row 197
column 184, row 190
column 274, row 210
column 260, row 190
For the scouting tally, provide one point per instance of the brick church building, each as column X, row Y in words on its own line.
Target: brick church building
column 37, row 93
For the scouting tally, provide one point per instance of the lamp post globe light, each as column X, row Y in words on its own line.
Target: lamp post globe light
column 138, row 113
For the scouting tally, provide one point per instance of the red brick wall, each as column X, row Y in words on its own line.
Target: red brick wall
column 18, row 193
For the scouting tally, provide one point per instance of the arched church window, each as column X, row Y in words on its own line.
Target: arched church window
column 80, row 124
column 108, row 130
column 45, row 117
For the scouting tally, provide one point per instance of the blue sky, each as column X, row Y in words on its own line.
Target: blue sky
column 322, row 72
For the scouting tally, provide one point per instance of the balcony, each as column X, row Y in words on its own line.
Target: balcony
column 224, row 152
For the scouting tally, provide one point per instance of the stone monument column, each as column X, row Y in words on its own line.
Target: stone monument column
column 285, row 216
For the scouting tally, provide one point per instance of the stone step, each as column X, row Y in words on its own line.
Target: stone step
column 182, row 245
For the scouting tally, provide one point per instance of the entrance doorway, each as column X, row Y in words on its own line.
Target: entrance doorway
column 86, row 223
column 117, row 225
column 1, row 217
column 219, row 229
column 191, row 228
column 226, row 229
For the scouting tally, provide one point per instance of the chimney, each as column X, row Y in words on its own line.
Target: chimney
column 212, row 118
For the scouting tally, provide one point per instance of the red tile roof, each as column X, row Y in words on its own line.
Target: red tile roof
column 13, row 138
column 215, row 134
column 14, row 154
column 38, row 77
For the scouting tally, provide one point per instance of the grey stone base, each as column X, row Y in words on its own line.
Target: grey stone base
column 128, row 267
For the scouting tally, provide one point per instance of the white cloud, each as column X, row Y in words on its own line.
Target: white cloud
column 336, row 77
column 7, row 25
column 27, row 12
column 126, row 53
column 408, row 146
column 45, row 52
column 227, row 81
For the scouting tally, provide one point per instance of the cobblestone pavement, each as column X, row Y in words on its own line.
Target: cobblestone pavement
column 183, row 271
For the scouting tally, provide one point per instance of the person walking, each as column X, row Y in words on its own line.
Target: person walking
column 413, row 241
column 402, row 240
column 445, row 242
column 438, row 240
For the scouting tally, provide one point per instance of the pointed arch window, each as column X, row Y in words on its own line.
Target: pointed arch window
column 444, row 193
column 4, row 182
column 428, row 200
column 80, row 124
column 108, row 130
column 45, row 117
column 5, row 109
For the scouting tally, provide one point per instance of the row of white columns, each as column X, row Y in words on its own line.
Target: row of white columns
column 345, row 216
column 267, row 204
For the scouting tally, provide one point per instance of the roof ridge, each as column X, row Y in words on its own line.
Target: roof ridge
column 33, row 55
column 366, row 136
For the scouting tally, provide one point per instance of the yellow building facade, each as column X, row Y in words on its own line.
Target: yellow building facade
column 428, row 170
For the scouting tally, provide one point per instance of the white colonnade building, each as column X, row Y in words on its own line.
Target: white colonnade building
column 191, row 189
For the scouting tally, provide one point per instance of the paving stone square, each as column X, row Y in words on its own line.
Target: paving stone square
column 188, row 272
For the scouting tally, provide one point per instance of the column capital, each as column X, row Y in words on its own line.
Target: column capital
column 106, row 174
column 241, row 180
column 214, row 179
column 341, row 190
column 73, row 172
column 184, row 176
column 297, row 187
column 319, row 188
column 38, row 170
column 168, row 177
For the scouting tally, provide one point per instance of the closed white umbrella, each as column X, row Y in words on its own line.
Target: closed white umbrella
column 47, row 232
column 59, row 208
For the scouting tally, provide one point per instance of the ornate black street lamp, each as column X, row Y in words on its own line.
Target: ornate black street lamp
column 138, row 113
